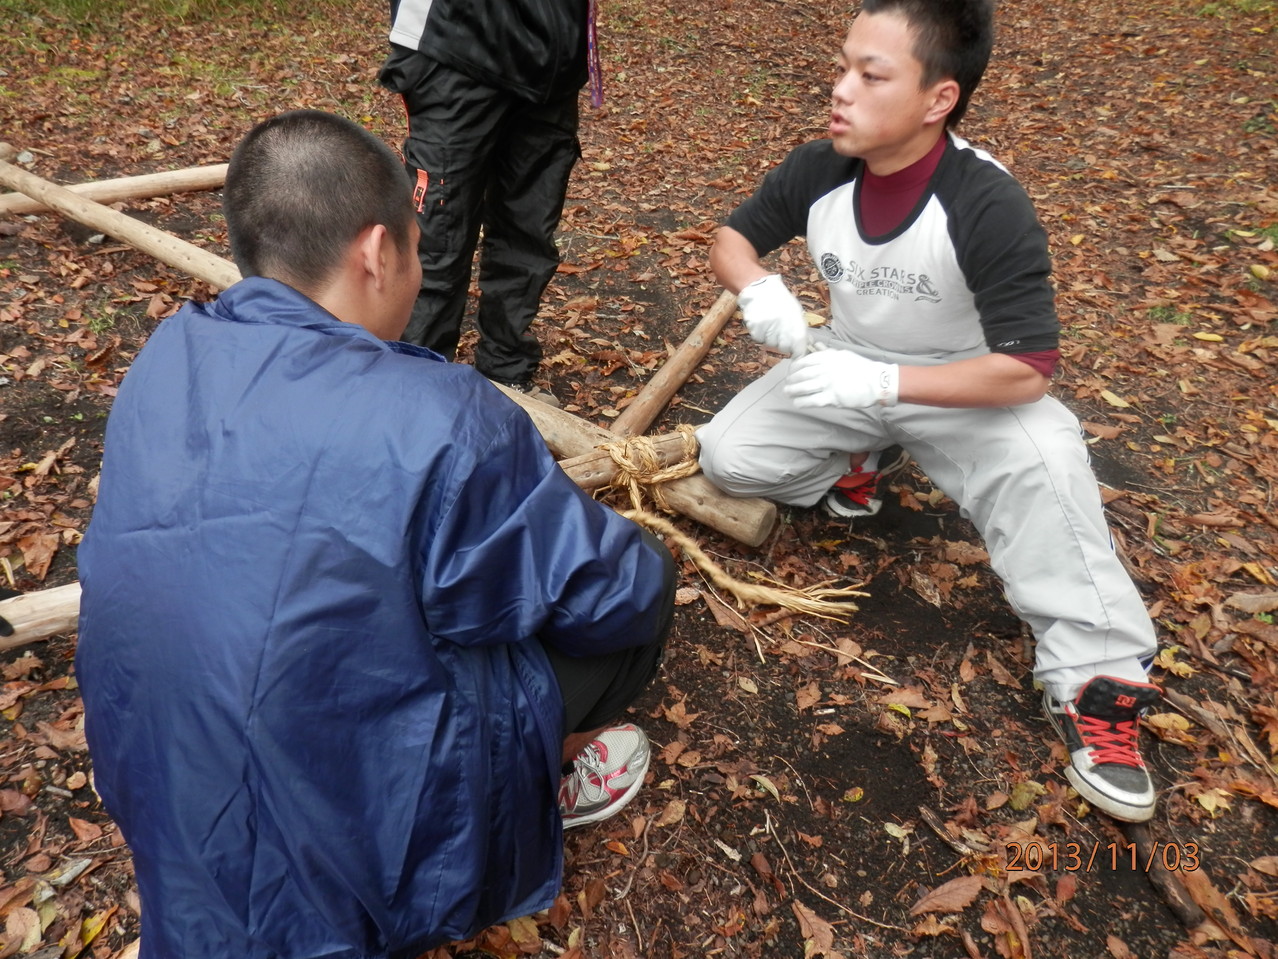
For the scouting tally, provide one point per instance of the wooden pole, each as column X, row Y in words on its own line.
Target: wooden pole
column 165, row 247
column 652, row 399
column 127, row 188
column 39, row 615
column 747, row 520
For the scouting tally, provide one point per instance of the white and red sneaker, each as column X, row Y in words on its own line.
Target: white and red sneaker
column 605, row 776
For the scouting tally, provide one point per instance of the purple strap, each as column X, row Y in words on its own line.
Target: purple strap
column 592, row 44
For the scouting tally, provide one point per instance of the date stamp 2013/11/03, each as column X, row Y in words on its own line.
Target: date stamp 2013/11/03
column 1033, row 856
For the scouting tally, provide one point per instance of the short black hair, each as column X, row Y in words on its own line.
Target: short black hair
column 301, row 187
column 953, row 39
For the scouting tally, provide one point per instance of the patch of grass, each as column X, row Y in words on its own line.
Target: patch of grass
column 96, row 16
column 95, row 10
column 1270, row 232
column 73, row 74
column 1169, row 314
column 1263, row 122
column 100, row 322
column 1231, row 8
column 762, row 82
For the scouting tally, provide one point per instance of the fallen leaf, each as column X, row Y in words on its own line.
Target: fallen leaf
column 766, row 784
column 23, row 926
column 733, row 854
column 523, row 932
column 94, row 925
column 1266, row 864
column 931, row 926
column 1025, row 794
column 905, row 696
column 807, row 696
column 1105, row 431
column 672, row 814
column 1253, row 603
column 1218, row 908
column 679, row 715
column 1066, row 886
column 1117, row 948
column 999, row 672
column 60, row 738
column 818, row 932
column 38, row 550
column 725, row 616
column 953, row 896
column 84, row 831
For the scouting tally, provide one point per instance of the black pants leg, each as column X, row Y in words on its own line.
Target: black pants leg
column 487, row 161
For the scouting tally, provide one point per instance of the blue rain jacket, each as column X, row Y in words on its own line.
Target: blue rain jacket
column 312, row 582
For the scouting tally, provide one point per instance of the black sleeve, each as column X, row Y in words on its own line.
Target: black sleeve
column 1002, row 250
column 777, row 212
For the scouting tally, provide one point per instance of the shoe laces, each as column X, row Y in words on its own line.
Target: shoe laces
column 859, row 487
column 1109, row 741
column 588, row 770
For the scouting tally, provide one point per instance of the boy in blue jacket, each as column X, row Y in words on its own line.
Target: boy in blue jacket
column 334, row 653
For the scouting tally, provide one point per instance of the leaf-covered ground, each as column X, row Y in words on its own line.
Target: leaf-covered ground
column 884, row 787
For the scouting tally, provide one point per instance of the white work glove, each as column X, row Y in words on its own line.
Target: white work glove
column 773, row 316
column 842, row 379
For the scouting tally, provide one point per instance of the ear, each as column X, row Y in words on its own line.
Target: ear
column 945, row 93
column 373, row 250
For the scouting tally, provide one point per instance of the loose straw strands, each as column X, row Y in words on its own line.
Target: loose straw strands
column 820, row 601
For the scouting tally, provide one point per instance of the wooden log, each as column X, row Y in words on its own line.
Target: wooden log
column 747, row 520
column 163, row 246
column 597, row 469
column 147, row 185
column 39, row 615
column 657, row 392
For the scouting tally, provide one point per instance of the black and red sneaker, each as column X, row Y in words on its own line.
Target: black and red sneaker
column 1100, row 729
column 856, row 493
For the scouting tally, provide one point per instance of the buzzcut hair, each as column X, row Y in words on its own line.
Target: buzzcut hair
column 953, row 39
column 301, row 186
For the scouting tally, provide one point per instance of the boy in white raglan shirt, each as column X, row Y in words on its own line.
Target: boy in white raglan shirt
column 942, row 342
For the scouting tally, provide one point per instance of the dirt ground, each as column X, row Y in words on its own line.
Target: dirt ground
column 881, row 787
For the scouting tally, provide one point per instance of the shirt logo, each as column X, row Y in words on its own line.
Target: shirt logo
column 889, row 281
